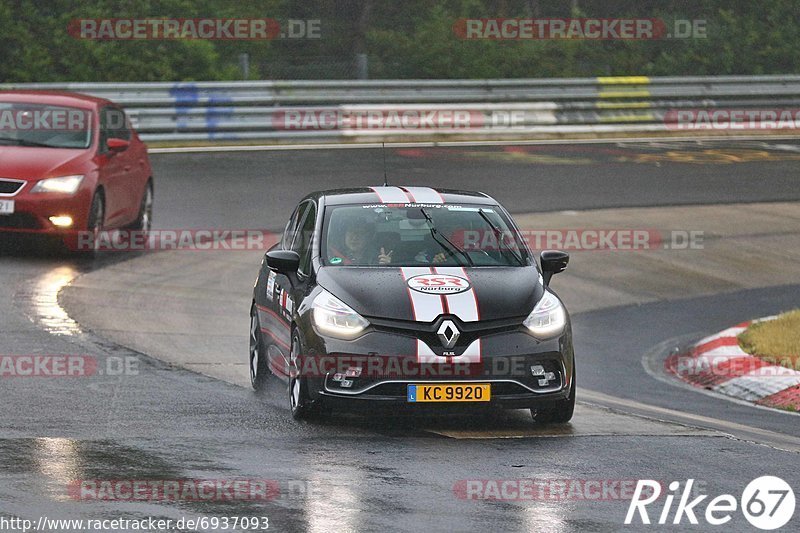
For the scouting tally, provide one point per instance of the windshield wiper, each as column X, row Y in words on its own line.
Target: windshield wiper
column 450, row 247
column 498, row 233
column 23, row 142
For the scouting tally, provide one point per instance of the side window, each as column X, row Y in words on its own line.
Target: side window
column 104, row 121
column 305, row 237
column 120, row 125
column 288, row 232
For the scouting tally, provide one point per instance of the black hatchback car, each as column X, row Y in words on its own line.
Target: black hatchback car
column 411, row 296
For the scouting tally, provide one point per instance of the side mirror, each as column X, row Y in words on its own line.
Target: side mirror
column 117, row 145
column 553, row 262
column 283, row 261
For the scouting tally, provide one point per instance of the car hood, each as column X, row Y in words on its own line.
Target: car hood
column 33, row 163
column 384, row 292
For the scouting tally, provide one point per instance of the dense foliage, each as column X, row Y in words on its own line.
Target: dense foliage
column 406, row 39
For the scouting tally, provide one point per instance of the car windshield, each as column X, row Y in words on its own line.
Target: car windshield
column 40, row 125
column 437, row 234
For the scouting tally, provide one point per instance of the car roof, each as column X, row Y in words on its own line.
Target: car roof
column 60, row 98
column 378, row 194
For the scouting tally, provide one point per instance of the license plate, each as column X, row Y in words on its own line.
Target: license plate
column 450, row 392
column 6, row 207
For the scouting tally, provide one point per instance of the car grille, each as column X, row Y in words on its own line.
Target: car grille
column 19, row 221
column 9, row 186
column 470, row 331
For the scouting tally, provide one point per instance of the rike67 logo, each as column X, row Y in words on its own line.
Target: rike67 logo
column 767, row 503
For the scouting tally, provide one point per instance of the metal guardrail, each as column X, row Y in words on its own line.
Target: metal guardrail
column 286, row 111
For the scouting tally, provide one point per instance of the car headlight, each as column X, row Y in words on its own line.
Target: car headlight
column 548, row 318
column 62, row 184
column 333, row 317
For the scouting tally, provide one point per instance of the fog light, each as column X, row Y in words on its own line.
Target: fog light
column 537, row 370
column 353, row 372
column 61, row 221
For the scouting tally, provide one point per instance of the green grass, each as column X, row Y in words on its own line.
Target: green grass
column 777, row 341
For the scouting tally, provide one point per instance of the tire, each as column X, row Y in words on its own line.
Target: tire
column 96, row 223
column 259, row 371
column 561, row 412
column 300, row 403
column 144, row 222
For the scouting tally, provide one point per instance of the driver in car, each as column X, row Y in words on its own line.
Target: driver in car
column 357, row 249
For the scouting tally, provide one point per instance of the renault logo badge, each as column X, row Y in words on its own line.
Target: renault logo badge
column 448, row 333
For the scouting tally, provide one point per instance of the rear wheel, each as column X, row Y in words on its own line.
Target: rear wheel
column 259, row 373
column 559, row 413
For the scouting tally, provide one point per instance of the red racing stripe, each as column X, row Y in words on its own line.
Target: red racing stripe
column 272, row 313
column 410, row 196
column 275, row 338
column 410, row 298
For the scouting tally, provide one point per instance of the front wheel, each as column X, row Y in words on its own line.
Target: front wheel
column 144, row 221
column 97, row 215
column 300, row 403
column 259, row 373
column 561, row 412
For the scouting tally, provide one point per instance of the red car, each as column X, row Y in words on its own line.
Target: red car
column 70, row 165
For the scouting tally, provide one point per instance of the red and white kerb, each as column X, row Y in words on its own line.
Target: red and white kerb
column 427, row 307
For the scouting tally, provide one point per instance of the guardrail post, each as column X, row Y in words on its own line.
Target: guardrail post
column 362, row 67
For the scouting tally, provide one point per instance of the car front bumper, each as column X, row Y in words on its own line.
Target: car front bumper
column 378, row 367
column 32, row 212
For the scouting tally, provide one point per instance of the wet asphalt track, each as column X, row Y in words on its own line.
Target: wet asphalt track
column 356, row 474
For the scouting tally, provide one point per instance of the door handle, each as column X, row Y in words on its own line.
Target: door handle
column 126, row 168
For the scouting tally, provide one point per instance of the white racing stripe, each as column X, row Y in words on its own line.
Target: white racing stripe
column 426, row 307
column 426, row 355
column 471, row 355
column 424, row 195
column 463, row 304
column 391, row 195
